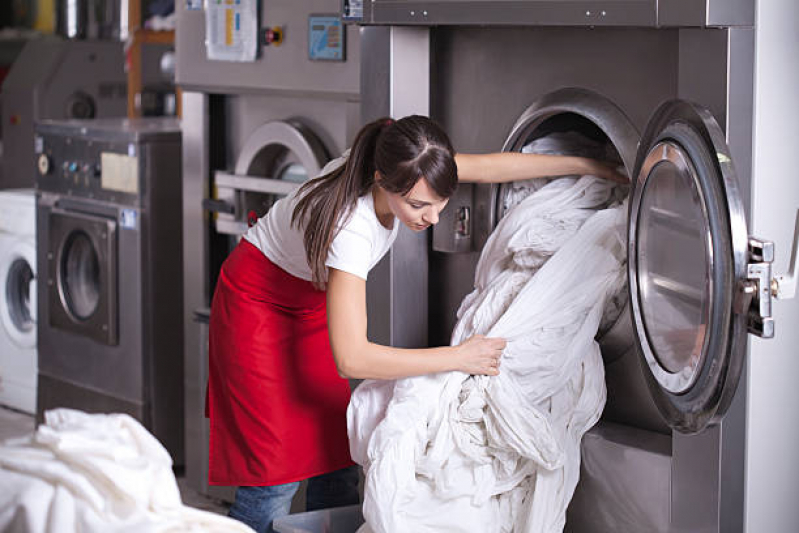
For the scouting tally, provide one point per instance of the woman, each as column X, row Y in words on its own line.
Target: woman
column 294, row 290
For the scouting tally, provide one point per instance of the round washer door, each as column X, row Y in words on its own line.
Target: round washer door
column 82, row 275
column 687, row 251
column 275, row 159
column 18, row 300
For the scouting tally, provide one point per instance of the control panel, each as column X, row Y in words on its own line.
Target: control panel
column 88, row 168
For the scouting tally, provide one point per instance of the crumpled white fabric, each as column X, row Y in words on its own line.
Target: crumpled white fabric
column 94, row 472
column 459, row 453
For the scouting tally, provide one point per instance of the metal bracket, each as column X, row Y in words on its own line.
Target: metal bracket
column 754, row 294
column 463, row 223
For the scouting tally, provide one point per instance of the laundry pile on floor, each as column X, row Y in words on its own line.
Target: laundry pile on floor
column 453, row 452
column 94, row 472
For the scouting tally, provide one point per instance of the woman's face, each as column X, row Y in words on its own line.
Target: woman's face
column 419, row 208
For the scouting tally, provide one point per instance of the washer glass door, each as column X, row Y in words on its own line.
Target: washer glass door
column 82, row 274
column 687, row 243
column 79, row 276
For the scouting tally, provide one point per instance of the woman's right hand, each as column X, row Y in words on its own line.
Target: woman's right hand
column 480, row 355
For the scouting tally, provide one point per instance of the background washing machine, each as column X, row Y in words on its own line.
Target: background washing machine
column 59, row 79
column 18, row 299
column 109, row 289
column 252, row 131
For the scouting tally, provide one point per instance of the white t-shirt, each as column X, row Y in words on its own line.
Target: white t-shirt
column 357, row 247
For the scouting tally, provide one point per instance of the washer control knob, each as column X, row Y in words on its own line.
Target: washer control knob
column 44, row 164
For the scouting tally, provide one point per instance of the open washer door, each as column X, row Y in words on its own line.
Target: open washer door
column 697, row 281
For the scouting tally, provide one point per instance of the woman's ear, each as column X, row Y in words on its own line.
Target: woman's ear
column 378, row 177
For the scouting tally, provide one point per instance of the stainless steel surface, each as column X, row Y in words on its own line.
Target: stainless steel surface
column 409, row 59
column 647, row 13
column 718, row 13
column 375, row 104
column 255, row 184
column 281, row 69
column 60, row 79
column 91, row 19
column 509, row 12
column 137, row 279
column 625, row 482
column 196, row 177
column 397, row 289
column 479, row 116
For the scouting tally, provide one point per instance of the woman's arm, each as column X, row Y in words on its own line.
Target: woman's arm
column 358, row 358
column 513, row 166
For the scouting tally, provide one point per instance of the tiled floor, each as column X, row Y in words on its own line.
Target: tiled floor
column 16, row 424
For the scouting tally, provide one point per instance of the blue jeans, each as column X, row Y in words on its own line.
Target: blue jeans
column 258, row 507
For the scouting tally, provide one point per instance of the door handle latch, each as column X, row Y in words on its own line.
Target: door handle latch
column 761, row 286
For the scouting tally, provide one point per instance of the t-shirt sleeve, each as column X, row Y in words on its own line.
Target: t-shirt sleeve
column 351, row 249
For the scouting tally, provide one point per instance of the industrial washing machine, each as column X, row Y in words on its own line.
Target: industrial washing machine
column 253, row 130
column 696, row 100
column 18, row 299
column 109, row 257
column 60, row 79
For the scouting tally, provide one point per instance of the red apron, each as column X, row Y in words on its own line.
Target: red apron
column 276, row 403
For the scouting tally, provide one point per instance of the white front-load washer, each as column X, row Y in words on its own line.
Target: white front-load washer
column 18, row 356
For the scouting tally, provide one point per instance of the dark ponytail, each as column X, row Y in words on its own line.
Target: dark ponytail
column 403, row 151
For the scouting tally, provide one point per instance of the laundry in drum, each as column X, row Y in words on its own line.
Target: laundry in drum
column 489, row 453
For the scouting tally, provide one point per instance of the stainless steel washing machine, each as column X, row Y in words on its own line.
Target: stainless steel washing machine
column 252, row 131
column 109, row 254
column 675, row 89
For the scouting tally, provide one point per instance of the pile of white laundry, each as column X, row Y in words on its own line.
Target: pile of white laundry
column 104, row 473
column 453, row 452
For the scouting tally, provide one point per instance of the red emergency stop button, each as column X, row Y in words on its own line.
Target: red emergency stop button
column 252, row 218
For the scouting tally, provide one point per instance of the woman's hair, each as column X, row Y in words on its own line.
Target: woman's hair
column 403, row 151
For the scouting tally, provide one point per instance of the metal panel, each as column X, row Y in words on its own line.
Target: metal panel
column 730, row 13
column 681, row 13
column 283, row 68
column 195, row 177
column 625, row 482
column 410, row 60
column 478, row 99
column 641, row 13
column 512, row 13
column 375, row 103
